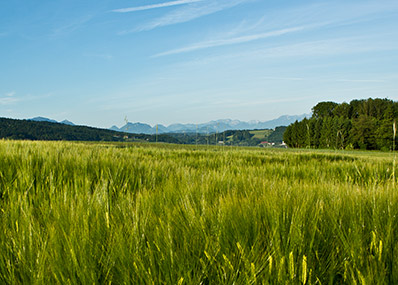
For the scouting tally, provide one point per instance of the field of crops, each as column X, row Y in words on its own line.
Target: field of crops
column 163, row 214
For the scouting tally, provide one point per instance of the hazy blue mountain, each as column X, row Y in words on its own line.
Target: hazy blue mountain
column 161, row 129
column 66, row 122
column 114, row 128
column 140, row 128
column 180, row 128
column 282, row 121
column 137, row 128
column 42, row 119
column 210, row 127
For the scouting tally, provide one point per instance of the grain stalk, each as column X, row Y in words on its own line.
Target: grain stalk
column 145, row 214
column 394, row 128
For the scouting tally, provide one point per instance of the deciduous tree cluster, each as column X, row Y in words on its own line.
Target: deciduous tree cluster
column 360, row 124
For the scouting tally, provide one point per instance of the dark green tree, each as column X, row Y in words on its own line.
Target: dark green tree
column 327, row 136
column 365, row 124
column 287, row 136
column 363, row 134
column 324, row 110
column 384, row 132
column 343, row 110
column 317, row 131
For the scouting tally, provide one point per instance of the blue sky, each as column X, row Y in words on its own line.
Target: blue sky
column 191, row 61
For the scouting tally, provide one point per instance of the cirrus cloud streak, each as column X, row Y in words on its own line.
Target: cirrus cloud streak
column 231, row 41
column 155, row 6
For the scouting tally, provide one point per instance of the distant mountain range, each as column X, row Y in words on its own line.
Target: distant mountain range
column 210, row 127
column 42, row 119
column 230, row 132
column 204, row 128
column 50, row 130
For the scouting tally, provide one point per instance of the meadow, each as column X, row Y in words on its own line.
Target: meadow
column 95, row 213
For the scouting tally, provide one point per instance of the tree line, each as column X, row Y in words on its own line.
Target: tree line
column 33, row 130
column 37, row 130
column 231, row 137
column 361, row 124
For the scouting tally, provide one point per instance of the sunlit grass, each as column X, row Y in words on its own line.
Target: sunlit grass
column 123, row 213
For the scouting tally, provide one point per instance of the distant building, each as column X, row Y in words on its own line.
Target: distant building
column 265, row 144
column 283, row 144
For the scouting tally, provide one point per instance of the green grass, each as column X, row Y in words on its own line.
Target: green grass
column 261, row 134
column 165, row 214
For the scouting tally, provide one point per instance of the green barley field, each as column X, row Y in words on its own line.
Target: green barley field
column 80, row 213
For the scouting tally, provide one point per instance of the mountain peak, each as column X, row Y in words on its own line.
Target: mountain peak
column 66, row 122
column 44, row 119
column 210, row 127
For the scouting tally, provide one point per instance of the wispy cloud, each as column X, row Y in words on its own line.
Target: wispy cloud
column 284, row 78
column 279, row 23
column 231, row 103
column 318, row 48
column 155, row 6
column 8, row 99
column 359, row 80
column 231, row 41
column 12, row 98
column 328, row 47
column 71, row 26
column 364, row 80
column 195, row 10
column 10, row 94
